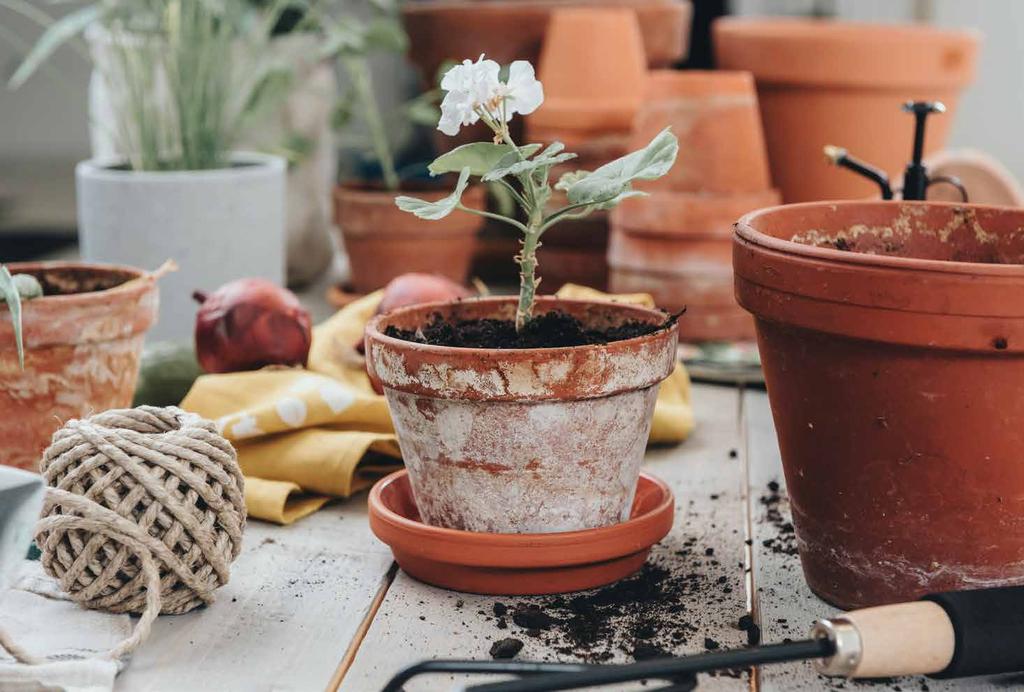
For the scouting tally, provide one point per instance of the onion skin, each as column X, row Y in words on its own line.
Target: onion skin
column 251, row 323
column 413, row 289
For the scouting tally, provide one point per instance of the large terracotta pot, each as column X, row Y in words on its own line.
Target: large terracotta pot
column 383, row 242
column 677, row 247
column 507, row 30
column 892, row 340
column 828, row 82
column 83, row 340
column 522, row 440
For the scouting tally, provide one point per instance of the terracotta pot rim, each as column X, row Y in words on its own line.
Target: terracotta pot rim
column 128, row 287
column 375, row 330
column 703, row 82
column 745, row 230
column 501, row 6
column 464, row 541
column 355, row 190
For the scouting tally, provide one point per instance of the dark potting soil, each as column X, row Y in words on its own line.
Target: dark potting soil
column 506, row 648
column 550, row 330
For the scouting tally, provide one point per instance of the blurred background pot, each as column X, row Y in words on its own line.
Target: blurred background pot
column 892, row 340
column 218, row 225
column 831, row 82
column 83, row 339
column 383, row 242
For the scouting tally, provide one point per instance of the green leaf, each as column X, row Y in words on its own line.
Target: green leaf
column 422, row 111
column 614, row 201
column 432, row 211
column 479, row 157
column 569, row 179
column 612, row 179
column 53, row 38
column 512, row 164
column 10, row 294
column 386, row 33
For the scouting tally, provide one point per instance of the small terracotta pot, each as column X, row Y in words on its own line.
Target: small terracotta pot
column 507, row 30
column 575, row 252
column 518, row 564
column 592, row 66
column 383, row 242
column 678, row 248
column 716, row 119
column 895, row 369
column 82, row 348
column 828, row 82
column 522, row 440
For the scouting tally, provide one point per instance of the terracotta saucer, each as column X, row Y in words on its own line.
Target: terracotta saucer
column 518, row 564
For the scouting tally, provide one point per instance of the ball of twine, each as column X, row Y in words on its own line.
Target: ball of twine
column 144, row 513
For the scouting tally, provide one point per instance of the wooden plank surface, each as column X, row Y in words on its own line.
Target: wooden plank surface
column 704, row 556
column 784, row 606
column 296, row 598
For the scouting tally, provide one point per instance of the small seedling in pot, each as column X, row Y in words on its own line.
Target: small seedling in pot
column 15, row 289
column 475, row 92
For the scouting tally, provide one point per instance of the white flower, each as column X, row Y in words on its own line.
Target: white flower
column 473, row 87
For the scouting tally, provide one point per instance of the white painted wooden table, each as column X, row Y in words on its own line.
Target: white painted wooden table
column 319, row 605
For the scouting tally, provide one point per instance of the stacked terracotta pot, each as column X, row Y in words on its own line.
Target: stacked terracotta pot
column 676, row 243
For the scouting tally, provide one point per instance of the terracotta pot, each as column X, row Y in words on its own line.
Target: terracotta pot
column 894, row 370
column 827, row 82
column 383, row 242
column 82, row 349
column 716, row 118
column 575, row 252
column 678, row 247
column 525, row 440
column 592, row 66
column 507, row 30
column 515, row 564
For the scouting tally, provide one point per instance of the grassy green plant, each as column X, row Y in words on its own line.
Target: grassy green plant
column 15, row 289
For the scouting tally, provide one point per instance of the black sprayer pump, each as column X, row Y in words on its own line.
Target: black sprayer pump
column 916, row 180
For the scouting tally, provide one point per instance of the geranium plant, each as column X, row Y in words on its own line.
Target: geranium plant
column 475, row 92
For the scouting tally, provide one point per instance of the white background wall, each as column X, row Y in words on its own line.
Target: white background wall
column 43, row 125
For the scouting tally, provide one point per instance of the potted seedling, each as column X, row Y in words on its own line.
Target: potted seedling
column 523, row 414
column 69, row 347
column 187, row 78
column 381, row 242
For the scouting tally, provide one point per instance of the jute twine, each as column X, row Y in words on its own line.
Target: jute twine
column 144, row 514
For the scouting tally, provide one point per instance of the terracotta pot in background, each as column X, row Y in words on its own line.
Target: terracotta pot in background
column 716, row 118
column 894, row 370
column 523, row 440
column 507, row 30
column 382, row 241
column 82, row 347
column 677, row 247
column 575, row 252
column 828, row 82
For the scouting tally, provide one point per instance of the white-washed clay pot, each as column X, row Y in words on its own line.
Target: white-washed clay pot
column 218, row 225
column 305, row 115
column 522, row 440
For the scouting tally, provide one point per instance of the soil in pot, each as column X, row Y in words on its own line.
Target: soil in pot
column 892, row 342
column 383, row 242
column 83, row 340
column 830, row 82
column 520, row 439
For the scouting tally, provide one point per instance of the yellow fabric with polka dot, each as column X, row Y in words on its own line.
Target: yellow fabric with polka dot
column 305, row 436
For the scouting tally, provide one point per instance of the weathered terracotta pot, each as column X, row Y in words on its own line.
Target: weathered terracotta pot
column 677, row 247
column 593, row 67
column 716, row 119
column 828, row 82
column 528, row 440
column 892, row 340
column 507, row 30
column 82, row 347
column 383, row 242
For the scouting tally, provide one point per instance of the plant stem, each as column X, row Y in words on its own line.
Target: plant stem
column 490, row 215
column 359, row 73
column 528, row 281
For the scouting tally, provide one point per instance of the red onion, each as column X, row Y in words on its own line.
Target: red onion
column 413, row 289
column 249, row 323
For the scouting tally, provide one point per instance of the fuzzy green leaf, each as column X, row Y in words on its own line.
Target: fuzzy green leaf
column 614, row 178
column 512, row 164
column 479, row 157
column 386, row 33
column 432, row 211
column 13, row 300
column 59, row 33
column 569, row 179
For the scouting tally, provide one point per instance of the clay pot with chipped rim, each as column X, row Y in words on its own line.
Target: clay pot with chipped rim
column 383, row 242
column 522, row 440
column 83, row 340
column 892, row 340
column 835, row 82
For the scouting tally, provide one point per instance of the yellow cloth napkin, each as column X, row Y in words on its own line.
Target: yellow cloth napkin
column 305, row 436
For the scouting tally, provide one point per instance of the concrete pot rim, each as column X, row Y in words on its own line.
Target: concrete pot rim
column 246, row 165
